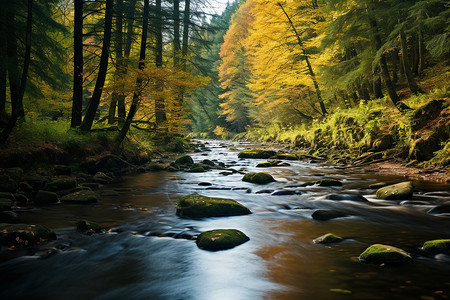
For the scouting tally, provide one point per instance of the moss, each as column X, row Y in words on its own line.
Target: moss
column 437, row 246
column 257, row 153
column 102, row 178
column 81, row 197
column 399, row 191
column 155, row 167
column 184, row 160
column 328, row 238
column 196, row 206
column 61, row 184
column 273, row 163
column 221, row 239
column 329, row 182
column 384, row 254
column 327, row 214
column 260, row 178
column 23, row 235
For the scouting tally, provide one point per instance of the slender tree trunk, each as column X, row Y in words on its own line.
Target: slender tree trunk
column 377, row 85
column 409, row 76
column 77, row 102
column 3, row 70
column 119, row 72
column 310, row 69
column 160, row 107
column 420, row 45
column 138, row 90
column 176, row 33
column 16, row 112
column 186, row 21
column 96, row 95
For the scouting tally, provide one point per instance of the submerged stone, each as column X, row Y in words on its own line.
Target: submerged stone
column 22, row 235
column 348, row 197
column 260, row 178
column 384, row 254
column 437, row 246
column 196, row 206
column 221, row 239
column 399, row 191
column 81, row 197
column 328, row 238
column 257, row 153
column 327, row 214
column 329, row 182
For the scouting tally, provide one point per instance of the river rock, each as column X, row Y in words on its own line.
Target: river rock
column 81, row 197
column 328, row 238
column 6, row 195
column 60, row 184
column 5, row 204
column 257, row 153
column 88, row 227
column 274, row 163
column 378, row 185
column 105, row 163
column 90, row 185
column 348, row 197
column 155, row 167
column 14, row 173
column 264, row 192
column 36, row 181
column 185, row 160
column 62, row 170
column 196, row 206
column 260, row 178
column 102, row 178
column 7, row 216
column 399, row 191
column 7, row 184
column 45, row 197
column 221, row 239
column 437, row 246
column 440, row 209
column 22, row 235
column 21, row 198
column 329, row 182
column 286, row 193
column 384, row 254
column 208, row 162
column 327, row 214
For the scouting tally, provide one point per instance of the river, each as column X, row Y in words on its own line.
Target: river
column 148, row 253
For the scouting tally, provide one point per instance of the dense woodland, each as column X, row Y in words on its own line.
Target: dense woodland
column 333, row 74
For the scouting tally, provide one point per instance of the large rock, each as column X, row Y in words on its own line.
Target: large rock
column 45, row 197
column 81, row 197
column 328, row 238
column 221, row 239
column 384, row 254
column 399, row 191
column 102, row 178
column 155, row 167
column 329, row 182
column 23, row 235
column 5, row 204
column 260, row 178
column 184, row 160
column 7, row 184
column 437, row 246
column 327, row 214
column 88, row 227
column 61, row 184
column 196, row 206
column 257, row 153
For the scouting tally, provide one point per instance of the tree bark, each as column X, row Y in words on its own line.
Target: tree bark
column 138, row 90
column 18, row 108
column 377, row 85
column 306, row 58
column 77, row 101
column 3, row 70
column 160, row 107
column 96, row 95
column 406, row 67
column 176, row 33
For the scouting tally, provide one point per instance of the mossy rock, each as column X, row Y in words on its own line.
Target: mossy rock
column 102, row 178
column 329, row 182
column 184, row 160
column 197, row 169
column 7, row 184
column 21, row 198
column 91, row 185
column 327, row 214
column 437, row 246
column 5, row 204
column 22, row 235
column 196, row 206
column 257, row 153
column 287, row 156
column 384, row 254
column 155, row 167
column 6, row 195
column 273, row 163
column 221, row 239
column 7, row 216
column 328, row 238
column 81, row 197
column 260, row 178
column 399, row 191
column 88, row 227
column 45, row 197
column 60, row 184
column 265, row 164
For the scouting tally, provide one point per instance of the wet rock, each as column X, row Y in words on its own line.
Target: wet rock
column 378, row 185
column 327, row 214
column 399, row 191
column 7, row 184
column 221, row 239
column 155, row 167
column 61, row 184
column 105, row 163
column 226, row 173
column 102, row 178
column 197, row 169
column 36, row 181
column 184, row 160
column 287, row 156
column 62, row 170
column 329, row 182
column 88, row 227
column 81, row 197
column 260, row 178
column 440, row 209
column 205, row 184
column 6, row 195
column 413, row 203
column 22, row 235
column 196, row 206
column 274, row 163
column 348, row 197
column 264, row 192
column 437, row 246
column 5, row 204
column 91, row 185
column 286, row 193
column 328, row 238
column 21, row 198
column 7, row 216
column 81, row 188
column 208, row 162
column 384, row 254
column 306, row 184
column 14, row 173
column 45, row 197
column 257, row 153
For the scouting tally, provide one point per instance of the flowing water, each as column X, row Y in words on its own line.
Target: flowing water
column 148, row 254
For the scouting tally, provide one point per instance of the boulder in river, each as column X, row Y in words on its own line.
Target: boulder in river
column 221, row 239
column 5, row 204
column 7, row 184
column 102, row 178
column 23, row 235
column 184, row 160
column 327, row 214
column 399, row 191
column 60, row 184
column 328, row 238
column 384, row 254
column 257, row 153
column 81, row 197
column 444, row 208
column 346, row 197
column 153, row 166
column 273, row 163
column 329, row 182
column 88, row 227
column 437, row 246
column 260, row 178
column 196, row 206
column 45, row 197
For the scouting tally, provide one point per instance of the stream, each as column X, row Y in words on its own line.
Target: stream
column 150, row 252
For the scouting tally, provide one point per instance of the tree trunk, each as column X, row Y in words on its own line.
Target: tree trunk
column 409, row 76
column 138, row 90
column 18, row 108
column 176, row 33
column 96, row 95
column 77, row 101
column 310, row 69
column 160, row 107
column 377, row 85
column 186, row 21
column 420, row 42
column 3, row 70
